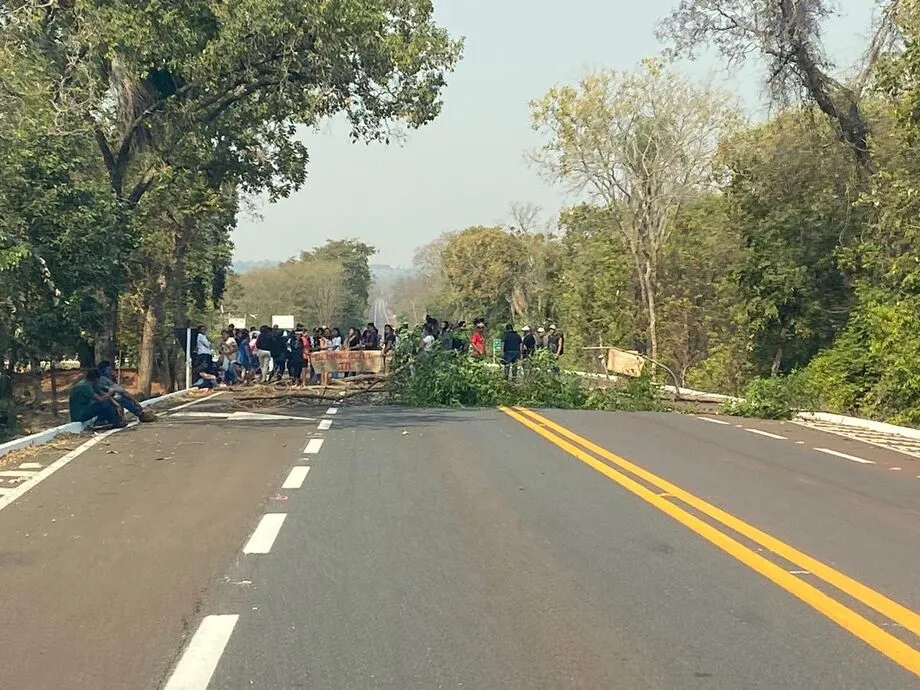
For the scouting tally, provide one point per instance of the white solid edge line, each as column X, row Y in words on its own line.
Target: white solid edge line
column 8, row 498
column 324, row 424
column 295, row 478
column 845, row 456
column 313, row 446
column 265, row 533
column 714, row 421
column 18, row 473
column 196, row 401
column 767, row 434
column 200, row 659
column 332, row 410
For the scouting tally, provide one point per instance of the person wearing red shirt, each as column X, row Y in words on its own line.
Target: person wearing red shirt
column 478, row 340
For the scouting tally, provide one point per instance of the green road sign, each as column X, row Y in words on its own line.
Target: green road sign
column 497, row 344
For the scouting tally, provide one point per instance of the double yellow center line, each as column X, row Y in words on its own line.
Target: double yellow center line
column 666, row 500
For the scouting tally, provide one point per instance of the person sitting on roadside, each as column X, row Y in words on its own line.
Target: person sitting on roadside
column 120, row 394
column 86, row 402
column 205, row 376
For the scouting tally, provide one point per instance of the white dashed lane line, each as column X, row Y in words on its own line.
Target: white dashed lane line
column 332, row 410
column 826, row 451
column 296, row 478
column 767, row 434
column 845, row 456
column 265, row 534
column 31, row 466
column 200, row 659
column 18, row 473
column 324, row 424
column 313, row 446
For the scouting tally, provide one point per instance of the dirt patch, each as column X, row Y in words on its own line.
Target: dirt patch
column 64, row 442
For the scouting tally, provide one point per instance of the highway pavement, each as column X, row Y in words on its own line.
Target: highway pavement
column 362, row 547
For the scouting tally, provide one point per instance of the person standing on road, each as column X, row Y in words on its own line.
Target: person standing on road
column 478, row 340
column 554, row 341
column 86, row 402
column 295, row 359
column 202, row 346
column 528, row 343
column 278, row 349
column 511, row 351
column 264, row 353
column 541, row 338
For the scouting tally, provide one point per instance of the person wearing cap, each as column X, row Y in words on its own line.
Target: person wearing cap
column 554, row 341
column 541, row 338
column 511, row 351
column 529, row 343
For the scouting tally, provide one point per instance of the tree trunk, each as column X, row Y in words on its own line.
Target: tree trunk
column 147, row 351
column 36, row 369
column 105, row 347
column 648, row 281
column 54, row 389
column 778, row 356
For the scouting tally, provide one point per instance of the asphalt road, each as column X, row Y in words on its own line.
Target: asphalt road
column 463, row 549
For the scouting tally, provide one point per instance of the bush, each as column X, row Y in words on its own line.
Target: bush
column 872, row 369
column 778, row 397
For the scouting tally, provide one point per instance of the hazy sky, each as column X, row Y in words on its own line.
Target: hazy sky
column 467, row 167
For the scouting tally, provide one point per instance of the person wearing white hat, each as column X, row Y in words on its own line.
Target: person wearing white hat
column 541, row 338
column 529, row 343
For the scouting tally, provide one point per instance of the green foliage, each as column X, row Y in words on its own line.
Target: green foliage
column 791, row 194
column 443, row 378
column 777, row 397
column 352, row 256
column 872, row 369
column 483, row 267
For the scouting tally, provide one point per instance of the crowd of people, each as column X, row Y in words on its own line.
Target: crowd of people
column 272, row 354
column 514, row 345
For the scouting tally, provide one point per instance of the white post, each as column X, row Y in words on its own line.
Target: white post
column 188, row 358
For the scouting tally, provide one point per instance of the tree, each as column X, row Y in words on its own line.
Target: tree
column 699, row 292
column 639, row 144
column 597, row 286
column 484, row 267
column 791, row 195
column 787, row 34
column 353, row 257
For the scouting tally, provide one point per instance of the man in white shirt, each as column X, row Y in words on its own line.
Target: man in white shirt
column 202, row 346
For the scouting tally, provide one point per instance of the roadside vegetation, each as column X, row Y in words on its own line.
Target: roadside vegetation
column 450, row 378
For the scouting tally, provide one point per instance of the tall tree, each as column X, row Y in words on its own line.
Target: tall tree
column 484, row 267
column 353, row 257
column 787, row 35
column 791, row 194
column 641, row 145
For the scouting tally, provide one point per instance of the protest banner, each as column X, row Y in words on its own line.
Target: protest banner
column 358, row 361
